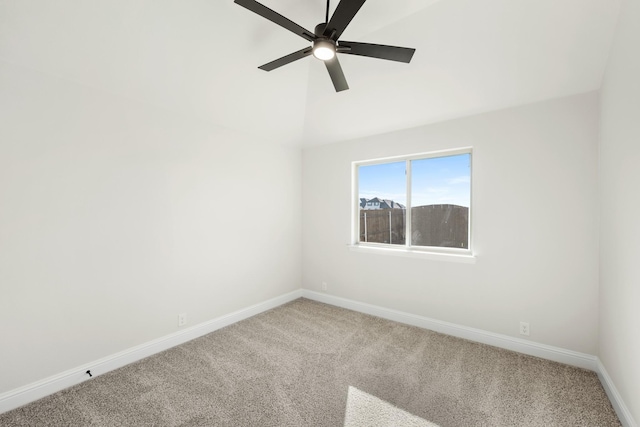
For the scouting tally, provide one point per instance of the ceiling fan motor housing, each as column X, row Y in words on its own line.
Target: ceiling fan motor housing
column 319, row 30
column 323, row 47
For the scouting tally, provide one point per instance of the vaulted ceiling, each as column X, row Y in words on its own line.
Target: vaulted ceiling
column 200, row 58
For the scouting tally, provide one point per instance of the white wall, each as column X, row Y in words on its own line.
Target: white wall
column 116, row 216
column 534, row 220
column 620, row 211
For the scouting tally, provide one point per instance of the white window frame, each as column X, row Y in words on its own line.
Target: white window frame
column 431, row 252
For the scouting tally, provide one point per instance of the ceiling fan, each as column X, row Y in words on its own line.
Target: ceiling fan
column 325, row 40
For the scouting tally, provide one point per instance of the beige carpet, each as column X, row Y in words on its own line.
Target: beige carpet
column 292, row 366
column 364, row 410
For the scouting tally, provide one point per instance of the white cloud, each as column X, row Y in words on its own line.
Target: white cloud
column 460, row 180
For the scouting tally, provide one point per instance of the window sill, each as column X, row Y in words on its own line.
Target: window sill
column 412, row 253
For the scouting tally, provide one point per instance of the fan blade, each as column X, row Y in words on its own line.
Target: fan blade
column 337, row 76
column 392, row 53
column 343, row 14
column 275, row 17
column 287, row 59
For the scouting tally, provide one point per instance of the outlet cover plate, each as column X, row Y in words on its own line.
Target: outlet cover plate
column 182, row 319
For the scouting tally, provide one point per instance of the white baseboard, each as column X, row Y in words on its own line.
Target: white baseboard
column 531, row 348
column 31, row 392
column 543, row 351
column 616, row 400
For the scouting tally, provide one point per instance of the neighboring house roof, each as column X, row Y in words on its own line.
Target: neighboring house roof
column 383, row 203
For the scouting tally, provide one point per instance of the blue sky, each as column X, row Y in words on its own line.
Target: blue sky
column 438, row 180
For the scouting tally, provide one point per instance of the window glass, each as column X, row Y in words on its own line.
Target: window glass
column 383, row 194
column 440, row 200
column 436, row 215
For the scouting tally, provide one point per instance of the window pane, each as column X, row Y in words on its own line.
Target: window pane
column 440, row 200
column 382, row 192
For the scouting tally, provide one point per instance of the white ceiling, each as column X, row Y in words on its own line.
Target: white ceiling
column 200, row 58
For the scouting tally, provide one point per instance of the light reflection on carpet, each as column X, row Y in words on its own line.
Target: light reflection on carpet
column 365, row 410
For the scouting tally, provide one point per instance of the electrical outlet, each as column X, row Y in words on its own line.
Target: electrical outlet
column 324, row 287
column 524, row 328
column 182, row 319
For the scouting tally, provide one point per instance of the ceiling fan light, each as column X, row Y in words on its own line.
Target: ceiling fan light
column 324, row 50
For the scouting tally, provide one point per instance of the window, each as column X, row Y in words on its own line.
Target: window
column 417, row 202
